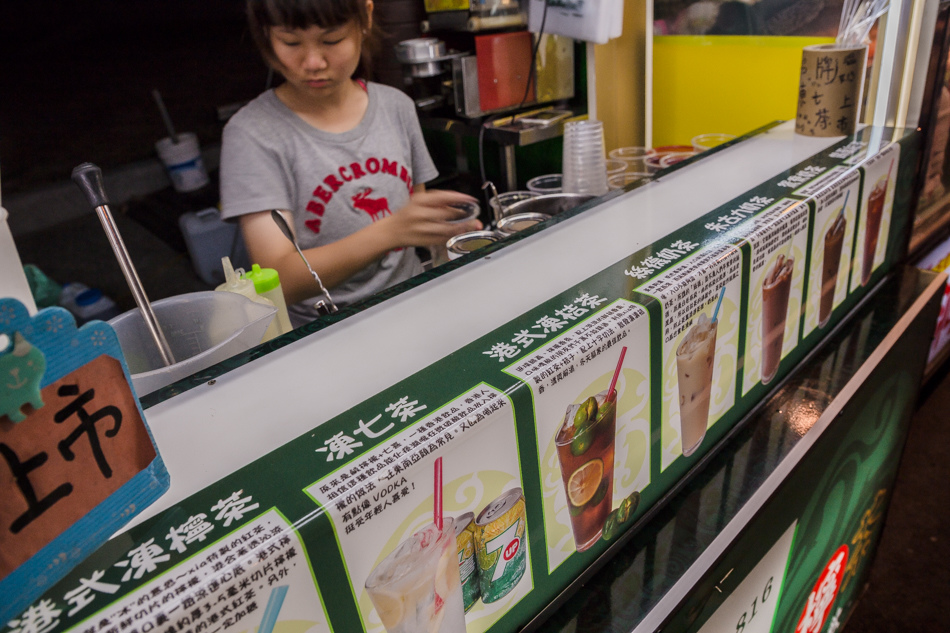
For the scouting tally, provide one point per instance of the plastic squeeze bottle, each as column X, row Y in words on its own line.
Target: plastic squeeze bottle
column 234, row 281
column 267, row 284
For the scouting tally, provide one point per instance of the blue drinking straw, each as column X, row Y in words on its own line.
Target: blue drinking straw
column 274, row 602
column 845, row 205
column 718, row 303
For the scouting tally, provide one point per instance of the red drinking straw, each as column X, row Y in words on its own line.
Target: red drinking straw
column 611, row 394
column 437, row 503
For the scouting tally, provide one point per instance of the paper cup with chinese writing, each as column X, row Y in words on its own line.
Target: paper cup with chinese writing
column 830, row 90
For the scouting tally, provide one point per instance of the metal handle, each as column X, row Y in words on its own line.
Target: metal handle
column 497, row 206
column 285, row 229
column 89, row 179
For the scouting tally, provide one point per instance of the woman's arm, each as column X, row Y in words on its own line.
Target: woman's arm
column 421, row 222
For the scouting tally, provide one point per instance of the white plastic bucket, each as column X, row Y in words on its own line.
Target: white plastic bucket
column 183, row 162
column 202, row 328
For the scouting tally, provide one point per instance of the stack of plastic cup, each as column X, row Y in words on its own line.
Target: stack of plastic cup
column 584, row 163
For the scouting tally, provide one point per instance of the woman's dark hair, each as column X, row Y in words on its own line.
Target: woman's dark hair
column 262, row 15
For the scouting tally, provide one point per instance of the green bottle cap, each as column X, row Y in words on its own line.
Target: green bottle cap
column 264, row 279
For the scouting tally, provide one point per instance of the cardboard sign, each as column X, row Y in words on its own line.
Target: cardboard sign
column 76, row 459
column 86, row 442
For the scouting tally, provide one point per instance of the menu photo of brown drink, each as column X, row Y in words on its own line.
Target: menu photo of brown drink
column 879, row 176
column 832, row 239
column 593, row 450
column 778, row 244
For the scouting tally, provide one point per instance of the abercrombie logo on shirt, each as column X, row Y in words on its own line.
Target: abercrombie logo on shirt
column 375, row 206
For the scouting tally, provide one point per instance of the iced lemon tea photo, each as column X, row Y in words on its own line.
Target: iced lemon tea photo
column 585, row 451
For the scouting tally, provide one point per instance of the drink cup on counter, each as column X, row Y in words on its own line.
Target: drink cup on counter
column 470, row 209
column 548, row 183
column 500, row 204
column 776, row 288
column 615, row 166
column 668, row 160
column 637, row 165
column 183, row 162
column 654, row 161
column 703, row 142
column 619, row 181
column 417, row 587
column 631, row 153
column 695, row 361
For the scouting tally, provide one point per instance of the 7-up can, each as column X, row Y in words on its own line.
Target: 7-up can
column 500, row 545
column 468, row 572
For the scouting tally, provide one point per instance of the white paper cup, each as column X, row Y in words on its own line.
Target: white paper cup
column 183, row 162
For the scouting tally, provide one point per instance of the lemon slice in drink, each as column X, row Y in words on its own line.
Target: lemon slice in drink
column 389, row 607
column 584, row 481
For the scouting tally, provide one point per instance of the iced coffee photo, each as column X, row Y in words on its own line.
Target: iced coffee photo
column 417, row 587
column 830, row 263
column 775, row 290
column 585, row 450
column 872, row 228
column 695, row 361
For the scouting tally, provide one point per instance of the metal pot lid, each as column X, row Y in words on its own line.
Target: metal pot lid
column 472, row 241
column 549, row 203
column 424, row 50
column 520, row 221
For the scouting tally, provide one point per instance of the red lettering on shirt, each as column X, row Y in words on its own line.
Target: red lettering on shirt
column 375, row 207
column 390, row 167
column 316, row 207
column 333, row 183
column 323, row 194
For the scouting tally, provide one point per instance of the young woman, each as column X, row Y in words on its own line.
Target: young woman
column 342, row 158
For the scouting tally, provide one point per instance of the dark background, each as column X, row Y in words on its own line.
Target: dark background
column 76, row 78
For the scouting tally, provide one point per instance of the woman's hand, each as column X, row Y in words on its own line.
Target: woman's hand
column 424, row 221
column 428, row 219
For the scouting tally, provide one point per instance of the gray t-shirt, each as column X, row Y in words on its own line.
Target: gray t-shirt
column 334, row 184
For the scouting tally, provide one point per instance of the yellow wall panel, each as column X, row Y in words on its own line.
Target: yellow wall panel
column 729, row 84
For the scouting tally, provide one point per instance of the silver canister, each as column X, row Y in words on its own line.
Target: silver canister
column 511, row 224
column 470, row 242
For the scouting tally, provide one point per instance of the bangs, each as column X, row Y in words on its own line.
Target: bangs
column 302, row 14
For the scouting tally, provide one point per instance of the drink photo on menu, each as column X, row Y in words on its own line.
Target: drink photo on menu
column 834, row 226
column 591, row 393
column 879, row 175
column 777, row 247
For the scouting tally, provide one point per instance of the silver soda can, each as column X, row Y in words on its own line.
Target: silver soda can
column 468, row 568
column 500, row 531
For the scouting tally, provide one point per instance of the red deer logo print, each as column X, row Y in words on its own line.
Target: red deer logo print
column 376, row 207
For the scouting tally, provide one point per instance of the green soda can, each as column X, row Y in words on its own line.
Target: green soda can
column 468, row 569
column 500, row 545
